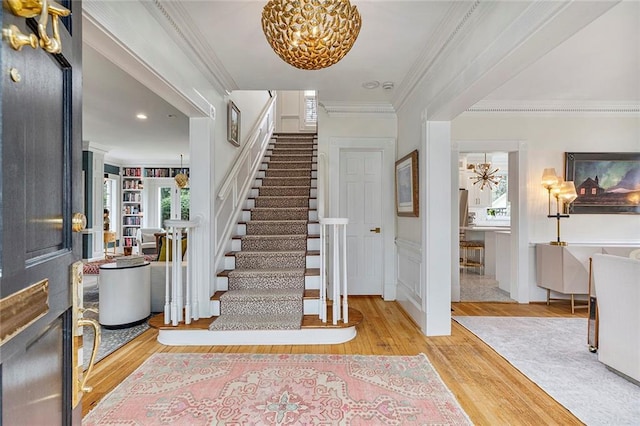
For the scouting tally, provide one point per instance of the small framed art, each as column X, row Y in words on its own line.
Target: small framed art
column 407, row 203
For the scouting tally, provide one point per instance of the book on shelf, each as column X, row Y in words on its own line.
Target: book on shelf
column 132, row 260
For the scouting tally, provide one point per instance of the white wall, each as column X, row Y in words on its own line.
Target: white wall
column 290, row 112
column 548, row 138
column 250, row 103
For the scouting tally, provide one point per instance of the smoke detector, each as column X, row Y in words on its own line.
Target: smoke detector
column 387, row 85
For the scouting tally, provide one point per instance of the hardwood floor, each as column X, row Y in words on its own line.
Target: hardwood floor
column 489, row 389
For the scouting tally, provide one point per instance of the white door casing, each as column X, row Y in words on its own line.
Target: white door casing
column 517, row 197
column 386, row 148
column 361, row 203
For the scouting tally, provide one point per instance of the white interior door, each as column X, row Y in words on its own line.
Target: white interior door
column 361, row 202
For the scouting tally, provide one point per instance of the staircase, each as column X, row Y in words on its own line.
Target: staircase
column 266, row 271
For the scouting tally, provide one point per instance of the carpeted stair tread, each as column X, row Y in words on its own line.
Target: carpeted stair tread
column 280, row 213
column 267, row 322
column 275, row 201
column 283, row 191
column 288, row 164
column 270, row 259
column 274, row 242
column 272, row 253
column 292, row 272
column 263, row 295
column 278, row 237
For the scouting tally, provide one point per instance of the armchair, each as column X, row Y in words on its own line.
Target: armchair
column 146, row 241
column 618, row 292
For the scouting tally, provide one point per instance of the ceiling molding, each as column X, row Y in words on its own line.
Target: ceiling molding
column 95, row 147
column 455, row 19
column 346, row 109
column 570, row 107
column 109, row 34
column 174, row 18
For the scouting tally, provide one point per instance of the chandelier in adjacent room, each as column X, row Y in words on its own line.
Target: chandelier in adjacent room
column 181, row 178
column 484, row 175
column 311, row 34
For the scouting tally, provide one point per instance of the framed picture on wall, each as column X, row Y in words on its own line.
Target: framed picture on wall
column 233, row 123
column 606, row 183
column 407, row 203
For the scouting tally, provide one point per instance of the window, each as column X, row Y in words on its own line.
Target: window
column 110, row 203
column 310, row 108
column 166, row 204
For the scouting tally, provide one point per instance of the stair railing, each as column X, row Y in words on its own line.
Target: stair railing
column 176, row 303
column 333, row 233
column 322, row 184
column 238, row 181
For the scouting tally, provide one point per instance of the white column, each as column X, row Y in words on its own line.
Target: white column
column 435, row 214
column 201, row 183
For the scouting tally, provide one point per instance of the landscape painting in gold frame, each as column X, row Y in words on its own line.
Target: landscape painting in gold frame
column 407, row 202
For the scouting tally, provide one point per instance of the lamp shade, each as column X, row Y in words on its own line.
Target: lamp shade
column 549, row 177
column 568, row 192
column 311, row 34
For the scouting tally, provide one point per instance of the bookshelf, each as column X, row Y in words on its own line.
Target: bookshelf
column 132, row 186
column 133, row 179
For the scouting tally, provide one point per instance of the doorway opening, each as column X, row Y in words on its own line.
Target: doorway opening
column 484, row 226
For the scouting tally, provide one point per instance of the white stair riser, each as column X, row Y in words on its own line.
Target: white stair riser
column 313, row 261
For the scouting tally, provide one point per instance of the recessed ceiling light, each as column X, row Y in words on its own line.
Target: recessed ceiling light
column 141, row 116
column 371, row 84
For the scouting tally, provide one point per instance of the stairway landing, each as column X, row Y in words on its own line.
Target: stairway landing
column 312, row 332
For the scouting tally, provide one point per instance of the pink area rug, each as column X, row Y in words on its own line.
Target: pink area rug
column 253, row 389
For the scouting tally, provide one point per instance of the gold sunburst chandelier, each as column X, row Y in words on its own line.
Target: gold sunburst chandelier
column 311, row 34
column 484, row 175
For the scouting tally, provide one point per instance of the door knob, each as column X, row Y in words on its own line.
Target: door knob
column 78, row 222
column 376, row 230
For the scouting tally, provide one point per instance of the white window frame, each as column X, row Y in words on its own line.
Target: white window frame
column 304, row 96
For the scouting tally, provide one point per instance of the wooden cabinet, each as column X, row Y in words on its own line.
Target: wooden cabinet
column 477, row 197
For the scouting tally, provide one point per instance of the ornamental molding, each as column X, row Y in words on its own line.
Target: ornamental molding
column 555, row 107
column 174, row 18
column 350, row 109
column 453, row 23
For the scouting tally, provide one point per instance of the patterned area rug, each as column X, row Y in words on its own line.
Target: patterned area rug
column 553, row 353
column 208, row 389
column 110, row 339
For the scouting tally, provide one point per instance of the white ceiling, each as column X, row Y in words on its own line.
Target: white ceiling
column 599, row 64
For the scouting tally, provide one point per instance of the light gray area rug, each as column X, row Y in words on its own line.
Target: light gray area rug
column 110, row 339
column 553, row 353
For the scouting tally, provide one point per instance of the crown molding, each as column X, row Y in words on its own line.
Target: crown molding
column 453, row 23
column 351, row 109
column 95, row 147
column 174, row 18
column 555, row 107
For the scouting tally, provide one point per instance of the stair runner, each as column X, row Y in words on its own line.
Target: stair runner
column 266, row 288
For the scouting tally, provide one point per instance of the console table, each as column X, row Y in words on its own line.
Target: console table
column 125, row 295
column 565, row 269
